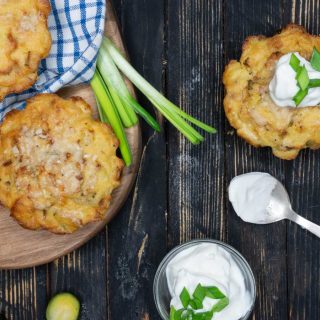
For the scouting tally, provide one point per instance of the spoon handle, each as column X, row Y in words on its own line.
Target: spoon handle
column 305, row 224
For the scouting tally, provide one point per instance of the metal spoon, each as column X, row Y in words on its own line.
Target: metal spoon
column 280, row 208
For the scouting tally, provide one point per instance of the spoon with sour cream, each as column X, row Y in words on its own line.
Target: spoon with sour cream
column 258, row 197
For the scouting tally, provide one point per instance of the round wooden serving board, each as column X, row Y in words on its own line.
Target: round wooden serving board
column 21, row 248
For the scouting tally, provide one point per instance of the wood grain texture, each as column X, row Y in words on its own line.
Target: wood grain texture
column 83, row 272
column 196, row 173
column 137, row 236
column 304, row 189
column 18, row 298
column 263, row 246
column 181, row 193
column 24, row 248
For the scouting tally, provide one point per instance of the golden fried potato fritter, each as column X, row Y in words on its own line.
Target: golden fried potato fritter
column 248, row 105
column 24, row 41
column 58, row 166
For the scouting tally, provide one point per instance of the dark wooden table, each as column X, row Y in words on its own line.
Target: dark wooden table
column 181, row 46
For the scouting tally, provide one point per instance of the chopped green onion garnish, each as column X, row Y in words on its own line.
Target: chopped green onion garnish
column 303, row 78
column 199, row 293
column 203, row 316
column 314, row 83
column 300, row 96
column 220, row 305
column 172, row 312
column 185, row 297
column 175, row 314
column 315, row 59
column 195, row 304
column 294, row 62
column 214, row 293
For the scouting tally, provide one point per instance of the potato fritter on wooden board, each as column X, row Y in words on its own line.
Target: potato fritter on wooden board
column 58, row 166
column 24, row 41
column 248, row 105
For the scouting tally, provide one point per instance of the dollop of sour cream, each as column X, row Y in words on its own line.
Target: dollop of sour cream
column 210, row 265
column 283, row 86
column 250, row 195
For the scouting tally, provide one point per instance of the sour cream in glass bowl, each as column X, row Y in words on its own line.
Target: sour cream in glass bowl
column 210, row 263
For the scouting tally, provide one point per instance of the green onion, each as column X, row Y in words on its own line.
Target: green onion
column 172, row 313
column 300, row 95
column 199, row 292
column 220, row 305
column 126, row 118
column 303, row 78
column 102, row 116
column 143, row 113
column 185, row 297
column 175, row 314
column 111, row 76
column 111, row 113
column 150, row 92
column 314, row 83
column 194, row 303
column 315, row 59
column 294, row 62
column 213, row 293
column 117, row 107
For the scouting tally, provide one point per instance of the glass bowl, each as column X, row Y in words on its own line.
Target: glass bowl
column 161, row 292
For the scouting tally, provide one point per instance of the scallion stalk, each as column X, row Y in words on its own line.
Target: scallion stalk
column 143, row 113
column 190, row 133
column 102, row 116
column 113, row 78
column 149, row 91
column 117, row 106
column 108, row 72
column 314, row 83
column 110, row 111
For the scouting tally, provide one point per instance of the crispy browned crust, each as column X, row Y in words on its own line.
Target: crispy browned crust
column 24, row 41
column 248, row 105
column 58, row 166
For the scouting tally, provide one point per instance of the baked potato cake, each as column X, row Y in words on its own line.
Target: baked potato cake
column 248, row 105
column 24, row 41
column 58, row 166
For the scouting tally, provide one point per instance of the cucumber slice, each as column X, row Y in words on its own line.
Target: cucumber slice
column 63, row 306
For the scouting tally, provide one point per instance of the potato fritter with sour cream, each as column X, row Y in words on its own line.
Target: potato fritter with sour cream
column 58, row 166
column 248, row 105
column 24, row 41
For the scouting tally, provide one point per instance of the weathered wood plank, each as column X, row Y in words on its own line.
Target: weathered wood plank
column 42, row 290
column 83, row 272
column 137, row 237
column 196, row 173
column 18, row 293
column 304, row 188
column 263, row 246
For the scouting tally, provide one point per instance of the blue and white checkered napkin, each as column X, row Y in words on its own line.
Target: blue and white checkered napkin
column 76, row 28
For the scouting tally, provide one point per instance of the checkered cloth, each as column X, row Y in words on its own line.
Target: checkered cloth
column 76, row 28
